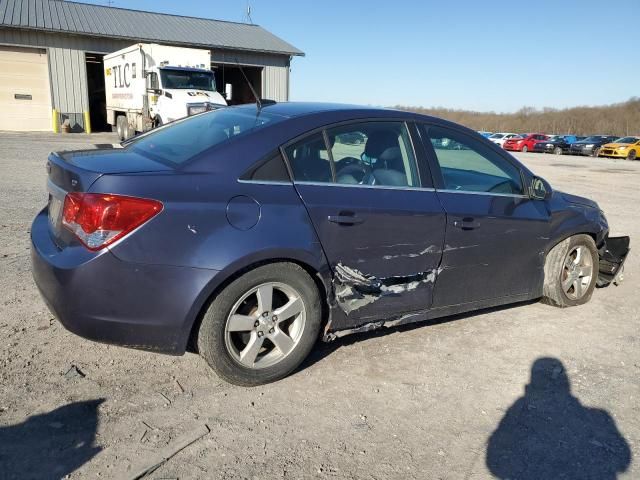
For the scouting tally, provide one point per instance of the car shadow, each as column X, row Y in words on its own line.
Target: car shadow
column 324, row 349
column 50, row 445
column 549, row 434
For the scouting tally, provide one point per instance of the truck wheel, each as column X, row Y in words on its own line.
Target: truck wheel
column 121, row 127
column 262, row 325
column 571, row 272
column 632, row 155
column 557, row 151
column 157, row 122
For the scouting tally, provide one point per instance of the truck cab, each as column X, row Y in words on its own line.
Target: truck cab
column 177, row 92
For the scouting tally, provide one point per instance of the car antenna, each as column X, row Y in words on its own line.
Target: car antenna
column 258, row 101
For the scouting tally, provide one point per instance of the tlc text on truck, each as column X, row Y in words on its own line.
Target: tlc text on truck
column 148, row 85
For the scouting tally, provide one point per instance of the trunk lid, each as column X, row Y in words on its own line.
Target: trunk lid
column 77, row 171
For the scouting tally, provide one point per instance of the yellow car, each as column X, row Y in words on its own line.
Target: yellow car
column 625, row 147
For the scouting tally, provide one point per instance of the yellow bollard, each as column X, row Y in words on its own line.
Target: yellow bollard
column 55, row 121
column 87, row 122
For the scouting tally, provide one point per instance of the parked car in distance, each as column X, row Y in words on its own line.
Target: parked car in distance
column 590, row 145
column 554, row 144
column 250, row 232
column 625, row 147
column 500, row 138
column 485, row 134
column 525, row 143
column 572, row 138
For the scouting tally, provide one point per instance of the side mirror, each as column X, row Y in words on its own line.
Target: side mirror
column 539, row 189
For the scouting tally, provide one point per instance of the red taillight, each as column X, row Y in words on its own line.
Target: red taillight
column 98, row 219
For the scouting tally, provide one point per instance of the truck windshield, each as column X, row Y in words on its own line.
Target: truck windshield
column 187, row 79
column 178, row 142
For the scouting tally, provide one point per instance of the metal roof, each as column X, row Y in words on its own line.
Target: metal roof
column 136, row 25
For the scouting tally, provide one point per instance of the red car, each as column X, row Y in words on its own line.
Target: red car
column 524, row 143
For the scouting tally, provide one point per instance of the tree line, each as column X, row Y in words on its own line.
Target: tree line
column 615, row 119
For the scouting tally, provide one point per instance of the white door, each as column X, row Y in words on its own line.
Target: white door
column 25, row 97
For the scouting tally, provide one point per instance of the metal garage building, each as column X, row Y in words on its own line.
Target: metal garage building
column 51, row 57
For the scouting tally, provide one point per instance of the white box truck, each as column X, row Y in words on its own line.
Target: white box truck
column 148, row 85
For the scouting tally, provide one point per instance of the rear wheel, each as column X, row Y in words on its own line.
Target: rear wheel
column 262, row 325
column 571, row 271
column 596, row 152
column 557, row 151
column 632, row 155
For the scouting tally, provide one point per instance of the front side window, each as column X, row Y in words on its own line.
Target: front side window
column 373, row 153
column 470, row 166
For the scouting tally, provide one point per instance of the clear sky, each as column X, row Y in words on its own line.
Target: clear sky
column 470, row 54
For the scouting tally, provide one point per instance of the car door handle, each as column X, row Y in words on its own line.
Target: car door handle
column 345, row 218
column 466, row 223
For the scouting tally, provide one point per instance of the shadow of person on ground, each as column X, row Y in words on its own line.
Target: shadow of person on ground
column 50, row 445
column 549, row 434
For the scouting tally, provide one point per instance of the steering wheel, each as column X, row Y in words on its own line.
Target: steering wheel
column 357, row 170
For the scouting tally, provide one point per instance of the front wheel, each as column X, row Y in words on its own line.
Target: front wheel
column 557, row 151
column 525, row 149
column 262, row 325
column 632, row 155
column 571, row 272
column 596, row 152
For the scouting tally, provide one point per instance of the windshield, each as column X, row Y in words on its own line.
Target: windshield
column 593, row 139
column 188, row 79
column 497, row 135
column 627, row 140
column 182, row 140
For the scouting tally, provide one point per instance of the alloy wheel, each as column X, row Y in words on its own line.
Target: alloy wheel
column 577, row 272
column 265, row 325
column 632, row 155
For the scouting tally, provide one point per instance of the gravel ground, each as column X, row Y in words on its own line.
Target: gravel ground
column 530, row 388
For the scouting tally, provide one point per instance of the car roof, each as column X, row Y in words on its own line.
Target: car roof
column 295, row 109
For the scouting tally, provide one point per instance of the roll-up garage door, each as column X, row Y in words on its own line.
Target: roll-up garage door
column 25, row 97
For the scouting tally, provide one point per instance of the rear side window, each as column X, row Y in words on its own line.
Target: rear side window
column 469, row 165
column 309, row 160
column 373, row 153
column 273, row 170
column 180, row 141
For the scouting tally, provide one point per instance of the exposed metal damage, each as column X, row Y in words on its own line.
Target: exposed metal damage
column 354, row 289
column 612, row 256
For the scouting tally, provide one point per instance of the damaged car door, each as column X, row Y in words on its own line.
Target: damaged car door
column 379, row 221
column 496, row 234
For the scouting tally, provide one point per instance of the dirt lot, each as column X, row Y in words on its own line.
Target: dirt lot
column 439, row 401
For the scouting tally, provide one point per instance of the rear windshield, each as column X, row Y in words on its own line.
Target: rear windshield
column 180, row 141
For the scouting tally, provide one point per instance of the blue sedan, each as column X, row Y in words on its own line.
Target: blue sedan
column 250, row 232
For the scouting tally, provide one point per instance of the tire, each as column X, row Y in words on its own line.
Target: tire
column 557, row 151
column 557, row 269
column 525, row 149
column 595, row 152
column 157, row 121
column 121, row 127
column 632, row 155
column 223, row 348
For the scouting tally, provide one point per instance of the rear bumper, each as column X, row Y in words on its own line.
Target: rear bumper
column 612, row 256
column 101, row 298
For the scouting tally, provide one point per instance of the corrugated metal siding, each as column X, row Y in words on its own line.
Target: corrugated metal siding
column 275, row 83
column 71, row 17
